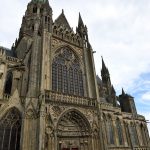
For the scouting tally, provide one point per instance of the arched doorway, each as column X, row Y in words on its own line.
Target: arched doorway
column 73, row 132
column 10, row 128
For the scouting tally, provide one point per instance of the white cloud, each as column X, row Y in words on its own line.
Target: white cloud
column 146, row 96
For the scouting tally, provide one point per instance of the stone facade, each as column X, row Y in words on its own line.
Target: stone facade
column 51, row 98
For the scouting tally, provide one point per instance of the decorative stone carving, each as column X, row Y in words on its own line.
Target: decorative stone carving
column 31, row 114
column 58, row 43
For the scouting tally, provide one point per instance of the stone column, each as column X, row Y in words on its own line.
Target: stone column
column 51, row 142
column 82, row 146
column 86, row 144
column 29, row 139
column 55, row 140
column 90, row 143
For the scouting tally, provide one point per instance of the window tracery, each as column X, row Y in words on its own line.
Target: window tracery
column 133, row 135
column 10, row 128
column 66, row 73
column 110, row 131
column 119, row 131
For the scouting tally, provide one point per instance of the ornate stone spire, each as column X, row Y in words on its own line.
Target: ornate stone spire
column 82, row 29
column 104, row 71
column 80, row 22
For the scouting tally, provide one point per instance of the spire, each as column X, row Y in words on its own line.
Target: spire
column 104, row 70
column 80, row 21
column 123, row 93
column 113, row 90
column 105, row 75
column 103, row 64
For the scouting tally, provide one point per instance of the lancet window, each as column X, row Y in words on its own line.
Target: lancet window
column 119, row 131
column 67, row 74
column 110, row 131
column 133, row 135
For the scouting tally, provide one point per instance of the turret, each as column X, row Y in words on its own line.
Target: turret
column 38, row 16
column 127, row 103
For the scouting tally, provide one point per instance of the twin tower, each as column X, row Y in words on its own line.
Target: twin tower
column 50, row 96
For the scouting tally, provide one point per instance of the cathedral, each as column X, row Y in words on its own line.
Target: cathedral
column 51, row 97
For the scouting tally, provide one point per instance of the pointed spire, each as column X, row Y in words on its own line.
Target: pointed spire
column 105, row 74
column 113, row 90
column 103, row 64
column 104, row 70
column 123, row 93
column 80, row 21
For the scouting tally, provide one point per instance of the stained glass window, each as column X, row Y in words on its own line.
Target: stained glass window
column 66, row 73
column 119, row 131
column 10, row 128
column 110, row 131
column 133, row 135
column 54, row 76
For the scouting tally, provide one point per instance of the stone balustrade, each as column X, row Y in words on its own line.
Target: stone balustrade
column 51, row 96
column 108, row 106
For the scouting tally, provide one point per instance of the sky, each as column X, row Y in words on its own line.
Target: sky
column 119, row 30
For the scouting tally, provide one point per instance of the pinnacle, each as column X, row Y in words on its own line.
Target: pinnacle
column 104, row 68
column 80, row 21
column 123, row 93
column 113, row 90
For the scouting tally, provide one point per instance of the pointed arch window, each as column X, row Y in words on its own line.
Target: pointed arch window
column 133, row 135
column 119, row 131
column 10, row 129
column 8, row 83
column 66, row 73
column 143, row 134
column 110, row 131
column 127, row 133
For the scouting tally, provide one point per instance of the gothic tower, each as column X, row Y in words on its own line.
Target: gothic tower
column 51, row 98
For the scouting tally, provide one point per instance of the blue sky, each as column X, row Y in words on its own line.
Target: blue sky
column 119, row 30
